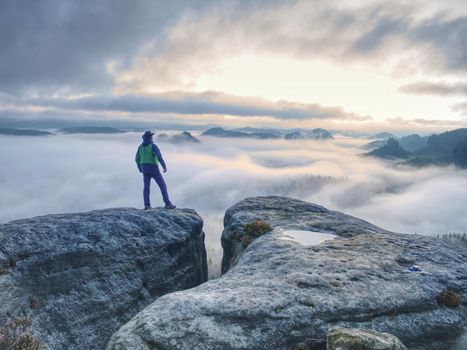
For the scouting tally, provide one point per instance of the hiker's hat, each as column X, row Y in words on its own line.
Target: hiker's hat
column 147, row 134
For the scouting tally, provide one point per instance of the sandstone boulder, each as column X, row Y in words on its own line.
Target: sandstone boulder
column 285, row 213
column 282, row 292
column 79, row 277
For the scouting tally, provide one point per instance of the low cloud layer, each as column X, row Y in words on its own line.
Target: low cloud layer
column 79, row 173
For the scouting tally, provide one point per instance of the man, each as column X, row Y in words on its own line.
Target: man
column 147, row 159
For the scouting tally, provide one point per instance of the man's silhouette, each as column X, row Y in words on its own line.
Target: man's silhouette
column 147, row 159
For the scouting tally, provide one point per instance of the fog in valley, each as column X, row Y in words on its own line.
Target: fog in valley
column 70, row 173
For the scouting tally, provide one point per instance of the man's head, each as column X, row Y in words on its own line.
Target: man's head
column 148, row 135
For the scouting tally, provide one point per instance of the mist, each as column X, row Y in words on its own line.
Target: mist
column 70, row 173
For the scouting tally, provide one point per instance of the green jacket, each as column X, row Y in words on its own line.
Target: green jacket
column 146, row 155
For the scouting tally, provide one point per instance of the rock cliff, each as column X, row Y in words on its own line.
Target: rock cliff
column 79, row 277
column 282, row 294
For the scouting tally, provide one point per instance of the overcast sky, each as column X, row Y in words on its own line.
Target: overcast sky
column 363, row 65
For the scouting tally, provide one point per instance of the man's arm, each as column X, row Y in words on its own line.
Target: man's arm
column 158, row 153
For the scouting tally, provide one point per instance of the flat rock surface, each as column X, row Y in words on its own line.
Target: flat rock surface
column 79, row 277
column 286, row 213
column 281, row 294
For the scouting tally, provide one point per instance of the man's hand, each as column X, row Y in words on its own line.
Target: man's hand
column 165, row 170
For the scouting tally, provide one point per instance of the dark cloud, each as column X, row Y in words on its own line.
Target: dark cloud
column 389, row 35
column 383, row 29
column 447, row 36
column 63, row 44
column 55, row 119
column 440, row 89
column 198, row 103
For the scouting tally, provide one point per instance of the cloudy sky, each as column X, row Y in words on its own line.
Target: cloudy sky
column 361, row 65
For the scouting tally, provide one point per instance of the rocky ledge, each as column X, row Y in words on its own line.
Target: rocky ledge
column 285, row 213
column 79, row 277
column 285, row 295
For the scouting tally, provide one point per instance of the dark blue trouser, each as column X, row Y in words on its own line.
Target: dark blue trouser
column 157, row 176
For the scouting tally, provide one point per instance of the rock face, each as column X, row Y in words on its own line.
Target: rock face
column 391, row 150
column 285, row 213
column 184, row 137
column 282, row 293
column 413, row 143
column 79, row 277
column 361, row 339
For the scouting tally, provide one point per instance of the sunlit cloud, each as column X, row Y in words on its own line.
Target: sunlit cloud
column 442, row 123
column 210, row 102
column 438, row 89
column 352, row 56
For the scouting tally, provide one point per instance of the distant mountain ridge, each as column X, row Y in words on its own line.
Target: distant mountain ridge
column 90, row 130
column 315, row 134
column 221, row 132
column 257, row 133
column 23, row 132
column 251, row 133
column 410, row 143
column 251, row 130
column 446, row 148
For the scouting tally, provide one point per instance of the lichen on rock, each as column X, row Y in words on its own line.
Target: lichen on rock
column 361, row 339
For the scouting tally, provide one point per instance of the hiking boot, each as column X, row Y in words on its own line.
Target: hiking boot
column 147, row 208
column 170, row 206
